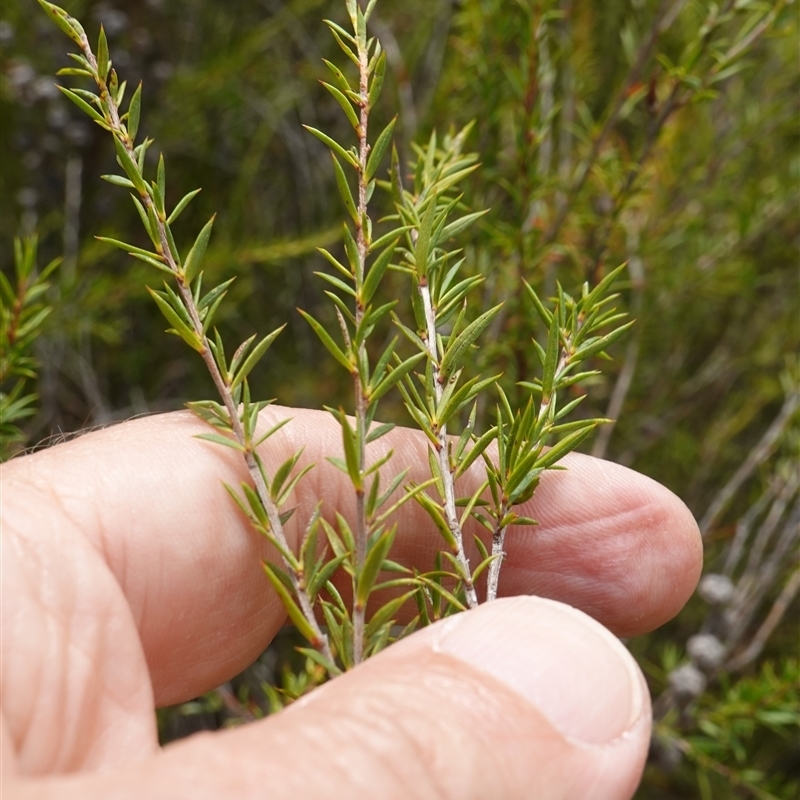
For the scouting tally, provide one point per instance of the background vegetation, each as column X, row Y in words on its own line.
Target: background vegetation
column 662, row 133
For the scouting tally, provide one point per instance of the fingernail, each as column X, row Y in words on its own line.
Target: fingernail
column 574, row 671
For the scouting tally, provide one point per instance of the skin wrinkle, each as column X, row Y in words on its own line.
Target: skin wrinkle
column 16, row 543
column 80, row 634
column 76, row 645
column 421, row 755
column 47, row 697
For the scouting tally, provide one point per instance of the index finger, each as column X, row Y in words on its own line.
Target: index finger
column 150, row 498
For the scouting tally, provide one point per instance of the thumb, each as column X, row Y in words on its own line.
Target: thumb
column 522, row 698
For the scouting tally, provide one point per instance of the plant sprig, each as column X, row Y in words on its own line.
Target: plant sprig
column 23, row 311
column 353, row 293
column 190, row 313
column 436, row 380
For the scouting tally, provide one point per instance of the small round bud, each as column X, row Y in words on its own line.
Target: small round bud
column 706, row 651
column 687, row 682
column 716, row 589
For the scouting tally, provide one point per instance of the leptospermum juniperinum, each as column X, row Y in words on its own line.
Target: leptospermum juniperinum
column 23, row 311
column 353, row 293
column 436, row 398
column 434, row 380
column 190, row 311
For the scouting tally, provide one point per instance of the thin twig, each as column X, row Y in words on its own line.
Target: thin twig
column 625, row 377
column 361, row 532
column 759, row 640
column 663, row 19
column 223, row 388
column 442, row 452
column 757, row 455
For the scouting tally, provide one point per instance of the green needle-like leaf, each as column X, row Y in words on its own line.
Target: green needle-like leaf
column 377, row 80
column 545, row 315
column 194, row 260
column 379, row 149
column 592, row 348
column 134, row 112
column 131, row 167
column 129, row 248
column 457, row 349
column 184, row 201
column 64, row 21
column 82, row 104
column 460, row 225
column 326, row 339
column 255, row 356
column 344, row 189
column 376, row 272
column 344, row 84
column 424, row 244
column 386, row 613
column 398, row 373
column 333, row 145
column 102, row 54
column 550, row 360
column 223, row 440
column 178, row 325
column 372, row 565
column 293, row 610
column 344, row 102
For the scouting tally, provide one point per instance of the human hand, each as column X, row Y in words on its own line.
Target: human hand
column 130, row 579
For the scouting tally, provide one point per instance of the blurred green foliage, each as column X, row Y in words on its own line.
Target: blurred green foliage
column 608, row 131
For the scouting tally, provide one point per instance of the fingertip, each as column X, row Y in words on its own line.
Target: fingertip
column 610, row 541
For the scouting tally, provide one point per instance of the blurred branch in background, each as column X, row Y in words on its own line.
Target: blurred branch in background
column 746, row 602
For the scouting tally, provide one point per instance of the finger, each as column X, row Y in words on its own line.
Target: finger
column 500, row 702
column 151, row 499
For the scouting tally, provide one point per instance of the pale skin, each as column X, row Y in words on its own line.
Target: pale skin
column 130, row 580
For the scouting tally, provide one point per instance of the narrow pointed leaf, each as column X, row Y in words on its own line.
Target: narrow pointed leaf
column 550, row 360
column 128, row 248
column 377, row 80
column 379, row 148
column 594, row 348
column 326, row 339
column 342, row 100
column 134, row 112
column 195, row 258
column 178, row 325
column 424, row 245
column 81, row 103
column 184, row 201
column 387, row 613
column 457, row 349
column 376, row 272
column 458, row 226
column 223, row 440
column 333, row 145
column 131, row 167
column 545, row 315
column 64, row 21
column 397, row 374
column 102, row 54
column 344, row 189
column 566, row 445
column 372, row 565
column 293, row 610
column 255, row 356
column 338, row 74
